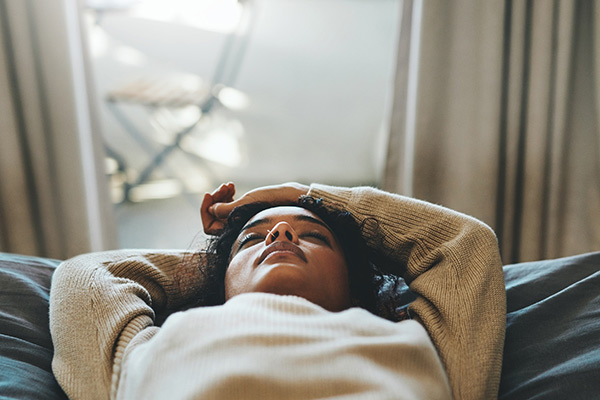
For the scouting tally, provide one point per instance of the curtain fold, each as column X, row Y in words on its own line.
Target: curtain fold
column 53, row 199
column 506, row 125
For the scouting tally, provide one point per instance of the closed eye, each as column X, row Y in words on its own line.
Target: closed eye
column 250, row 238
column 317, row 235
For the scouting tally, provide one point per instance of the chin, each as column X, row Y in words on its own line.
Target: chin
column 283, row 278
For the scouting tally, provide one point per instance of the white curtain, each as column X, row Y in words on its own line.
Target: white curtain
column 496, row 114
column 53, row 199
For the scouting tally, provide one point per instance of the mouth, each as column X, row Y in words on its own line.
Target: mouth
column 282, row 247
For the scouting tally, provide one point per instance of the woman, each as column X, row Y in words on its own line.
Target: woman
column 288, row 328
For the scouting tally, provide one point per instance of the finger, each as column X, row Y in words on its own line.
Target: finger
column 231, row 187
column 224, row 193
column 211, row 222
column 216, row 227
column 218, row 191
column 229, row 192
column 222, row 210
column 206, row 203
column 205, row 215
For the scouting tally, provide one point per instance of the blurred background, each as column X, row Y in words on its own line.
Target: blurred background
column 195, row 93
column 117, row 115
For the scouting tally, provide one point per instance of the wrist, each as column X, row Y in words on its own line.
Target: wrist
column 297, row 190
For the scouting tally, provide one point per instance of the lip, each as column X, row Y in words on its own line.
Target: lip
column 281, row 246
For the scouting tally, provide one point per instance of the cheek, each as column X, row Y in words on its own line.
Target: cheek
column 342, row 270
column 237, row 276
column 338, row 269
column 335, row 281
column 232, row 278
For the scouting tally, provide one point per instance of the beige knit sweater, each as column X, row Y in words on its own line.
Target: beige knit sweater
column 103, row 309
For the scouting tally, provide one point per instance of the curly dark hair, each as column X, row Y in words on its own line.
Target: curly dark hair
column 365, row 279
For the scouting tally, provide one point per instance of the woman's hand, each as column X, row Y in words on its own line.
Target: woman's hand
column 223, row 194
column 217, row 206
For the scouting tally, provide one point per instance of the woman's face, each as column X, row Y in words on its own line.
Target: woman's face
column 289, row 250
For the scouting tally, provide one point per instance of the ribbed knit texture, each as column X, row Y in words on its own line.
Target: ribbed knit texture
column 100, row 302
column 271, row 347
column 103, row 307
column 453, row 263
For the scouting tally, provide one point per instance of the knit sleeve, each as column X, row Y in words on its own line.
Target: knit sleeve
column 102, row 302
column 452, row 262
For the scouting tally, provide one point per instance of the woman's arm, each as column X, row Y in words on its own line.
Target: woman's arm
column 102, row 302
column 452, row 262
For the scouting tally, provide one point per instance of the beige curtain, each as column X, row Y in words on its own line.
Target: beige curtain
column 496, row 114
column 53, row 200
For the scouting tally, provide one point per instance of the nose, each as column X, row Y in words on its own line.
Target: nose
column 282, row 231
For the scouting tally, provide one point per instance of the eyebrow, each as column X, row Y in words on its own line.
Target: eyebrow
column 302, row 217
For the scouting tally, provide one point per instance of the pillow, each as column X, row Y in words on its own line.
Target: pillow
column 552, row 348
column 25, row 344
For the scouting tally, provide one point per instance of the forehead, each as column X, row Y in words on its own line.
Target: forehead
column 283, row 213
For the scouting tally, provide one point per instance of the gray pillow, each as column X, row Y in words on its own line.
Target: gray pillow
column 25, row 344
column 552, row 347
